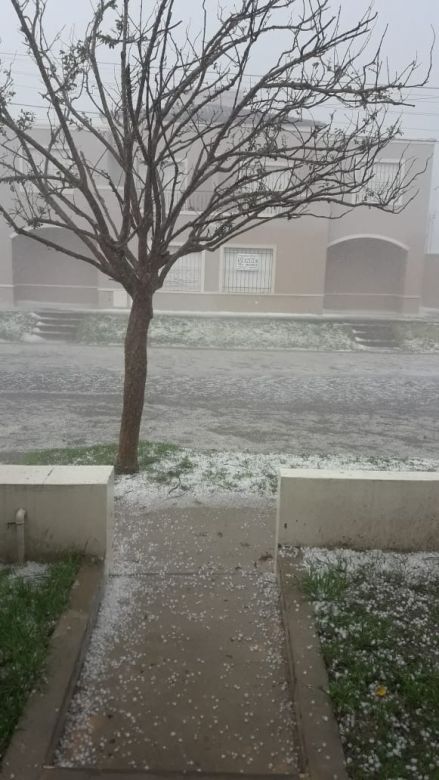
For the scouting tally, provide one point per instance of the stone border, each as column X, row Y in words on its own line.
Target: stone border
column 321, row 746
column 41, row 723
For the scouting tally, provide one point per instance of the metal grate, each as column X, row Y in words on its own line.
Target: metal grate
column 271, row 182
column 186, row 274
column 276, row 182
column 247, row 270
column 385, row 177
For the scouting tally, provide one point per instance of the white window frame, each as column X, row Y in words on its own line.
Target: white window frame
column 256, row 247
column 140, row 163
column 183, row 162
column 357, row 196
column 202, row 276
column 271, row 210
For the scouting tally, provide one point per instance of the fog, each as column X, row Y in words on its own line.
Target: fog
column 219, row 419
column 409, row 35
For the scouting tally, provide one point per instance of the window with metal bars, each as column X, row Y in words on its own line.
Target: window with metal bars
column 171, row 173
column 386, row 177
column 273, row 180
column 186, row 275
column 247, row 270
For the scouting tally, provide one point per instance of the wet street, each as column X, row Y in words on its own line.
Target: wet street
column 376, row 404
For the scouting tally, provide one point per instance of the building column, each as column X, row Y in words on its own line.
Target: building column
column 6, row 272
column 412, row 289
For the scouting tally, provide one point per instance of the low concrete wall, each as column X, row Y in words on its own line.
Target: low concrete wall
column 69, row 508
column 358, row 509
column 213, row 302
column 359, row 302
column 430, row 286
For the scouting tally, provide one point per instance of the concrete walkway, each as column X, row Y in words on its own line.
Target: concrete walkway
column 186, row 669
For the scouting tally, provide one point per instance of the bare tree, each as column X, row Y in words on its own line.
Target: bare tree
column 255, row 155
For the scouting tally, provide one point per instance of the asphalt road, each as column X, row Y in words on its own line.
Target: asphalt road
column 373, row 404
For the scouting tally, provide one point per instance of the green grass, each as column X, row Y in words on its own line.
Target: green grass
column 221, row 332
column 326, row 584
column 150, row 453
column 15, row 324
column 379, row 637
column 255, row 333
column 163, row 463
column 417, row 336
column 29, row 610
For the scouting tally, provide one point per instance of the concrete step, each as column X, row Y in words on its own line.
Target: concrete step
column 51, row 317
column 374, row 335
column 59, row 321
column 377, row 340
column 57, row 325
column 377, row 345
column 374, row 331
column 54, row 324
column 61, row 312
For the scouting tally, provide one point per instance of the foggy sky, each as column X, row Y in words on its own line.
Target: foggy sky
column 409, row 35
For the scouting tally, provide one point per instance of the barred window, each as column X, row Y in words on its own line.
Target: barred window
column 271, row 181
column 386, row 176
column 247, row 270
column 186, row 274
column 171, row 172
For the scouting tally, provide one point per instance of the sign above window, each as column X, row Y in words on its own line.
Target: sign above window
column 247, row 270
column 247, row 262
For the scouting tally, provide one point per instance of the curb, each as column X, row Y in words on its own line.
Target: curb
column 137, row 774
column 41, row 723
column 320, row 741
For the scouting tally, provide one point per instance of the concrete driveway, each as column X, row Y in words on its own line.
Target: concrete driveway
column 373, row 404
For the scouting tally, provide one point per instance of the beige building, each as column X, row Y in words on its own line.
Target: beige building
column 365, row 261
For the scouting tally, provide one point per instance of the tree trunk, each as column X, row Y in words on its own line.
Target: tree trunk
column 134, row 382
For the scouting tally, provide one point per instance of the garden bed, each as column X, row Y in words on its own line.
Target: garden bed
column 253, row 333
column 231, row 332
column 377, row 617
column 16, row 325
column 171, row 472
column 32, row 599
column 171, row 330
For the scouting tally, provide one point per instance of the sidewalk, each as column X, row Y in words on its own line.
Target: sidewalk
column 186, row 670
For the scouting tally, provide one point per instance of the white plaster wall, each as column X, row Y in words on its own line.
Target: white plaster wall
column 69, row 509
column 358, row 509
